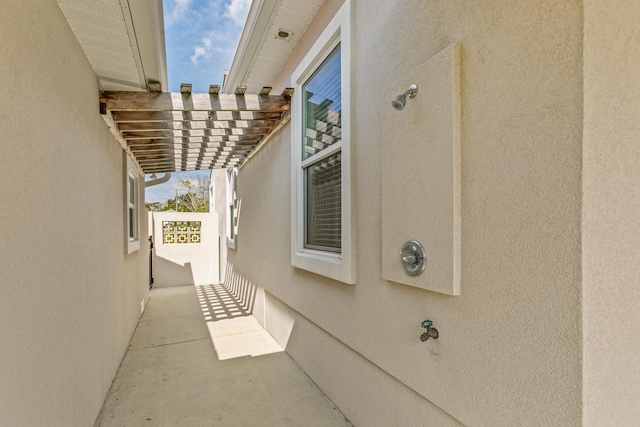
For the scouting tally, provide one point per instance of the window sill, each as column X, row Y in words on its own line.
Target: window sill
column 327, row 264
column 133, row 246
column 231, row 244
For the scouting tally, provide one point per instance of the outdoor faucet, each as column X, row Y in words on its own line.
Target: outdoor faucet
column 430, row 331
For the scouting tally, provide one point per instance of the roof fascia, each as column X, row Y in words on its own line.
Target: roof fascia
column 147, row 37
column 259, row 20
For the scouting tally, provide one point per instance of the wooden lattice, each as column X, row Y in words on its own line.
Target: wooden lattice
column 169, row 132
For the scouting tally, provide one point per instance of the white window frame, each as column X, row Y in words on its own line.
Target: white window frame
column 338, row 266
column 231, row 202
column 132, row 228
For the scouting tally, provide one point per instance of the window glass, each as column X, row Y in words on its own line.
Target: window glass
column 132, row 187
column 132, row 219
column 132, row 210
column 322, row 111
column 322, row 106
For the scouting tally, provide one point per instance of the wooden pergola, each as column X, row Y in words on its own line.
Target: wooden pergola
column 184, row 131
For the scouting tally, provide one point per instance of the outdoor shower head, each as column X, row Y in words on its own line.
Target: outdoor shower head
column 400, row 101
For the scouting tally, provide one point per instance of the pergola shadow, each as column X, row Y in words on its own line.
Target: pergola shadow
column 227, row 310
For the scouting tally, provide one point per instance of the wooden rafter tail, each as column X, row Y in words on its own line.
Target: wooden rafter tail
column 154, row 86
column 265, row 90
column 241, row 90
column 185, row 88
column 287, row 91
column 214, row 89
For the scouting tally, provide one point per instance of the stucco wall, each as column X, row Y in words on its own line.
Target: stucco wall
column 509, row 351
column 611, row 210
column 179, row 264
column 218, row 206
column 69, row 296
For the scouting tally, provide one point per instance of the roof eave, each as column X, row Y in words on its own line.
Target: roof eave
column 148, row 23
column 258, row 22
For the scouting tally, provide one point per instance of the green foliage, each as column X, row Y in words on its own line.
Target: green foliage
column 155, row 206
column 192, row 196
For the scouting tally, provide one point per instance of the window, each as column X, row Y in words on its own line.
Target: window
column 321, row 139
column 232, row 208
column 132, row 206
column 322, row 231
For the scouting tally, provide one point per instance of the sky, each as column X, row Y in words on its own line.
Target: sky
column 201, row 37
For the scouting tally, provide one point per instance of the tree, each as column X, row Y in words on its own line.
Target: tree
column 155, row 206
column 192, row 195
column 195, row 194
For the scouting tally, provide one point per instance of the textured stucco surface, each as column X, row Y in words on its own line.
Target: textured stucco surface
column 509, row 351
column 420, row 200
column 611, row 212
column 178, row 264
column 69, row 296
column 218, row 206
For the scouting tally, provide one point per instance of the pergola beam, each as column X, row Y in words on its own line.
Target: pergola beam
column 190, row 131
column 173, row 101
column 189, row 125
column 189, row 116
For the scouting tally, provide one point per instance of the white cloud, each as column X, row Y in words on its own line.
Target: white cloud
column 237, row 11
column 202, row 51
column 180, row 9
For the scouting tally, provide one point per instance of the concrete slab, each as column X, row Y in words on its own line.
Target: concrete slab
column 172, row 315
column 172, row 375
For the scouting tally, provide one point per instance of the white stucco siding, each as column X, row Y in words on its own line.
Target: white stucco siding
column 611, row 213
column 69, row 296
column 510, row 345
column 193, row 263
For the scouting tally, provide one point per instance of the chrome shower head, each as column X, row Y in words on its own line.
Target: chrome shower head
column 400, row 101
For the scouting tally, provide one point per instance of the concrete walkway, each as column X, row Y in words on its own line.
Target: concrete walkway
column 181, row 369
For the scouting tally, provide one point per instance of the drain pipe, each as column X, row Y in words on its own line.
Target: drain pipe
column 155, row 180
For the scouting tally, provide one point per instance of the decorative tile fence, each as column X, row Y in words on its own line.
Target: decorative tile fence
column 177, row 232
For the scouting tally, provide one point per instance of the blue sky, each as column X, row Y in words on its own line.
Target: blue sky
column 201, row 37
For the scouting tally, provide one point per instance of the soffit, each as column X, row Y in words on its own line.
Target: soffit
column 124, row 45
column 173, row 132
column 261, row 53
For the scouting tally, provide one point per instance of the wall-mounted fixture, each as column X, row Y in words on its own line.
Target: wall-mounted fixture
column 423, row 201
column 413, row 258
column 430, row 332
column 401, row 100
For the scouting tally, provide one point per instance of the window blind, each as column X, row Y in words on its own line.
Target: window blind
column 324, row 209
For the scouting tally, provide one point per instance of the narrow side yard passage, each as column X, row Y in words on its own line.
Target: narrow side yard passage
column 172, row 375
